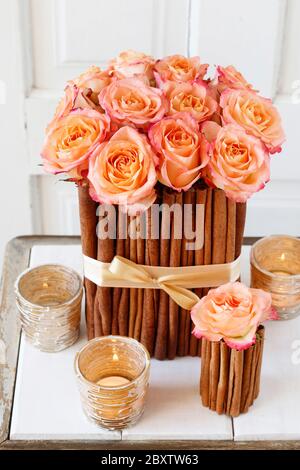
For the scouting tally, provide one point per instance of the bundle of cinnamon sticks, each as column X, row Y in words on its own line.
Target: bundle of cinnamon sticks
column 149, row 315
column 230, row 379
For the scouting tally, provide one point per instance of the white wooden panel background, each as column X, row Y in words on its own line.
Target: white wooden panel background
column 259, row 38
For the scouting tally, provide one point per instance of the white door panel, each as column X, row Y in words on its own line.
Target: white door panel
column 260, row 38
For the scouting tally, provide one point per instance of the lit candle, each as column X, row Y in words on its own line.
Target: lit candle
column 113, row 375
column 275, row 267
column 49, row 301
column 113, row 381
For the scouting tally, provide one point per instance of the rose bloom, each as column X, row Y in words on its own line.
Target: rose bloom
column 122, row 171
column 131, row 63
column 229, row 77
column 232, row 313
column 131, row 101
column 188, row 97
column 71, row 141
column 73, row 98
column 255, row 114
column 182, row 152
column 178, row 68
column 239, row 163
column 93, row 79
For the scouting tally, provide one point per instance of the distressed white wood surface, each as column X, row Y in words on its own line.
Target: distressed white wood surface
column 46, row 402
column 47, row 405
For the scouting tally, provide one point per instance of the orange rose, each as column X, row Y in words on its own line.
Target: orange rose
column 229, row 77
column 188, row 97
column 131, row 63
column 182, row 152
column 131, row 101
column 232, row 313
column 239, row 163
column 178, row 68
column 255, row 114
column 73, row 98
column 93, row 79
column 71, row 141
column 122, row 171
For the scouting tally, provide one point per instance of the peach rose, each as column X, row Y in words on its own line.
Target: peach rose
column 93, row 79
column 131, row 101
column 71, row 141
column 229, row 77
column 239, row 163
column 182, row 152
column 178, row 68
column 232, row 313
column 190, row 97
column 122, row 171
column 73, row 98
column 255, row 114
column 131, row 63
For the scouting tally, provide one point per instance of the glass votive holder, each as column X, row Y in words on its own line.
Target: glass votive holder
column 49, row 301
column 113, row 375
column 275, row 267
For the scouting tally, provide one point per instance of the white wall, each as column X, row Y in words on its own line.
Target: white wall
column 15, row 218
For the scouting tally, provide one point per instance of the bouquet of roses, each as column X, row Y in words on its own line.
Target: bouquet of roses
column 143, row 120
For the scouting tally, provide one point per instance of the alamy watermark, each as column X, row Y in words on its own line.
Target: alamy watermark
column 160, row 221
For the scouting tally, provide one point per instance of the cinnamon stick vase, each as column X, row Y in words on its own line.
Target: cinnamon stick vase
column 151, row 316
column 230, row 379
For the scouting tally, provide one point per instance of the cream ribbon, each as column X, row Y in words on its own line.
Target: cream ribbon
column 122, row 272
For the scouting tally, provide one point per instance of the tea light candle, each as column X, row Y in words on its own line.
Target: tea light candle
column 49, row 301
column 113, row 376
column 113, row 381
column 275, row 267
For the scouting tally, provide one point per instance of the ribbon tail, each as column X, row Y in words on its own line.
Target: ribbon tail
column 183, row 297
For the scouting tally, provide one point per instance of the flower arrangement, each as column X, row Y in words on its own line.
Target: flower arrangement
column 145, row 133
column 143, row 120
column 229, row 321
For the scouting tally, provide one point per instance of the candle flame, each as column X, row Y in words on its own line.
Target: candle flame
column 115, row 357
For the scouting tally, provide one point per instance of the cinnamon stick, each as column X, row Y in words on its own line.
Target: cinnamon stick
column 120, row 251
column 133, row 293
column 241, row 208
column 207, row 239
column 190, row 262
column 105, row 253
column 230, row 381
column 235, row 406
column 88, row 223
column 219, row 227
column 260, row 343
column 185, row 257
column 124, row 300
column 162, row 334
column 175, row 253
column 223, row 378
column 98, row 330
column 150, row 295
column 140, row 297
column 231, row 231
column 214, row 374
column 199, row 258
column 248, row 364
column 205, row 369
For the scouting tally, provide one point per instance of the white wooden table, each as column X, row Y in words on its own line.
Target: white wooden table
column 40, row 406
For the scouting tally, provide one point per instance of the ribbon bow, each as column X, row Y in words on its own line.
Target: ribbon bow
column 122, row 272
